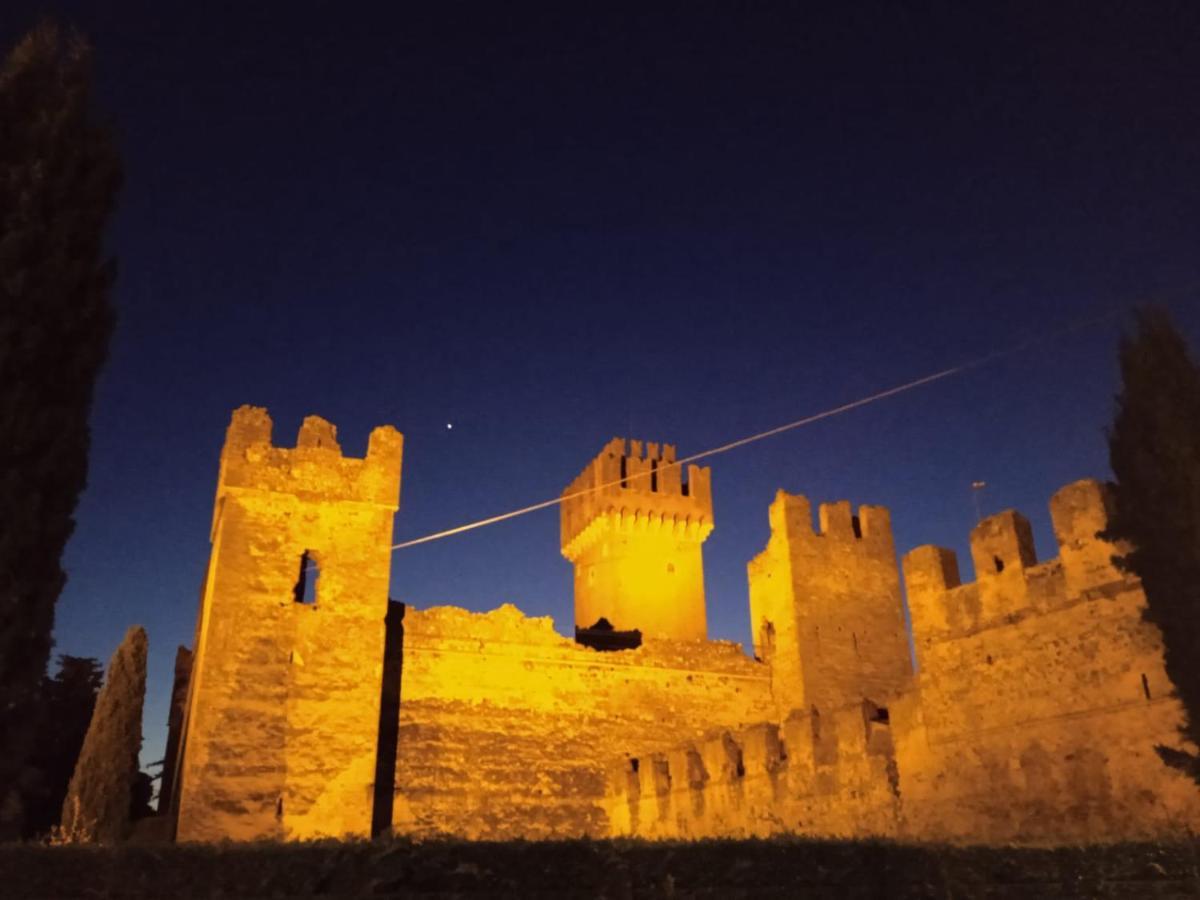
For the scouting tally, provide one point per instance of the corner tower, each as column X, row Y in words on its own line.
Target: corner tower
column 633, row 529
column 282, row 716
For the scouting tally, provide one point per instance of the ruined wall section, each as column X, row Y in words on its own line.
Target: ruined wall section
column 506, row 727
column 1041, row 691
column 633, row 530
column 831, row 774
column 283, row 702
column 825, row 606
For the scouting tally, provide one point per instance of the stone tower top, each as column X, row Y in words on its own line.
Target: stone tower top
column 315, row 468
column 633, row 528
column 637, row 481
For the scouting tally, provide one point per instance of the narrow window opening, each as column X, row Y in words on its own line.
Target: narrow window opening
column 633, row 765
column 653, row 475
column 683, row 485
column 305, row 590
column 854, row 637
column 856, row 525
column 999, row 564
column 624, row 483
column 279, row 808
column 782, row 751
column 1145, row 686
column 739, row 766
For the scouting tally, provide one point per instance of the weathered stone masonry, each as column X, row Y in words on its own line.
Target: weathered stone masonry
column 279, row 737
column 1031, row 715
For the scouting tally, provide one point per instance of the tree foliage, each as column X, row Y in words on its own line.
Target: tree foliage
column 99, row 800
column 65, row 707
column 1154, row 450
column 59, row 178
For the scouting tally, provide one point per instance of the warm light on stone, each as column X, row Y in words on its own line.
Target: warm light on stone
column 1032, row 713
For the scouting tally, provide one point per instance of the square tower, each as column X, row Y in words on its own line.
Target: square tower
column 633, row 529
column 282, row 715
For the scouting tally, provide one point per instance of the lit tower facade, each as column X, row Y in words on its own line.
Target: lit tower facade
column 633, row 529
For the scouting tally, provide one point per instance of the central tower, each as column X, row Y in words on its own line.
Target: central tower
column 633, row 527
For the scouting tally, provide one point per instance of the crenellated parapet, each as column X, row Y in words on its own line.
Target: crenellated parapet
column 829, row 773
column 635, row 487
column 1041, row 695
column 825, row 604
column 633, row 529
column 1009, row 580
column 315, row 468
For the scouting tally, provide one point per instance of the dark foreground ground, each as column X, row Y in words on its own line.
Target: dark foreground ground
column 619, row 869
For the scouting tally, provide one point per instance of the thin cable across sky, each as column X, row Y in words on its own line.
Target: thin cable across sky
column 780, row 429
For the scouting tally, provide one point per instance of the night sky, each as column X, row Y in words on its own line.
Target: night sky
column 680, row 225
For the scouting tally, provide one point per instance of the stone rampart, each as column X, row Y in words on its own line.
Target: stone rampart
column 506, row 726
column 831, row 774
column 1041, row 692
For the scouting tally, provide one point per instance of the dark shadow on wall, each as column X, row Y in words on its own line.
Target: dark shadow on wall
column 389, row 720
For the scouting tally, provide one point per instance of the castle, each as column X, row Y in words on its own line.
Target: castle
column 311, row 705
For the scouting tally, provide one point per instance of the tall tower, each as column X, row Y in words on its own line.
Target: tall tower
column 825, row 606
column 633, row 527
column 282, row 717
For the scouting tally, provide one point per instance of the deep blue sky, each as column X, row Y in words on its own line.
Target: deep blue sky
column 549, row 229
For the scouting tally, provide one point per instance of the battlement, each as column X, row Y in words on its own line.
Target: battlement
column 827, row 772
column 790, row 515
column 1009, row 580
column 825, row 604
column 633, row 486
column 315, row 468
column 633, row 530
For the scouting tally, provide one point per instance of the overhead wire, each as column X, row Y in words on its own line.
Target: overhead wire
column 924, row 380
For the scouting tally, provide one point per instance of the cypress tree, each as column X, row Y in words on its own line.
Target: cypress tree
column 59, row 178
column 98, row 802
column 1154, row 450
column 65, row 707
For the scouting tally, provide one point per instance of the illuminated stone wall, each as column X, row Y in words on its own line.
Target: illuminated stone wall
column 830, row 774
column 506, row 726
column 825, row 606
column 1033, row 717
column 1041, row 692
column 635, row 538
column 279, row 736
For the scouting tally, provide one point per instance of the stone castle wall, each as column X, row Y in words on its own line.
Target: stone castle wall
column 1041, row 693
column 282, row 714
column 830, row 774
column 826, row 608
column 506, row 726
column 1034, row 715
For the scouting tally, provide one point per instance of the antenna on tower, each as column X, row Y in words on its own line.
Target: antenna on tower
column 976, row 489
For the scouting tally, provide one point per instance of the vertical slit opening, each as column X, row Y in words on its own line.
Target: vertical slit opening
column 305, row 589
column 856, row 525
column 624, row 483
column 653, row 475
column 1145, row 686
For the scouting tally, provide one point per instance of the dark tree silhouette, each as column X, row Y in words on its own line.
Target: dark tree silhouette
column 65, row 710
column 59, row 178
column 1154, row 450
column 102, row 795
